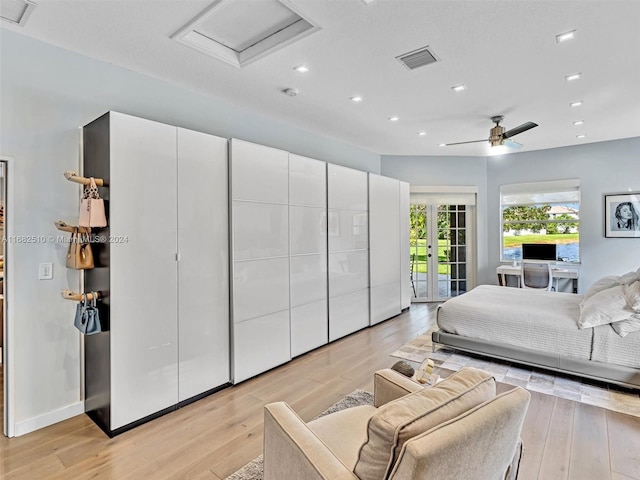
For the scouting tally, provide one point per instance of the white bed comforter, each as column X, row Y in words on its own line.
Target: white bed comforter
column 531, row 319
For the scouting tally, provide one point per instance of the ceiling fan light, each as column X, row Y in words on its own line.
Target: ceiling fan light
column 356, row 99
column 575, row 104
column 422, row 134
column 394, row 119
column 459, row 88
column 563, row 37
column 572, row 77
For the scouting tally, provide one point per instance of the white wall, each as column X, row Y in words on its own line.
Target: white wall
column 46, row 94
column 458, row 171
column 605, row 167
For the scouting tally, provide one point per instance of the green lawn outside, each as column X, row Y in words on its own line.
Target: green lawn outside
column 517, row 240
column 420, row 251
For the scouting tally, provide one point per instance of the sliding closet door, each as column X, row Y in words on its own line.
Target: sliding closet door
column 143, row 297
column 348, row 251
column 384, row 247
column 308, row 250
column 203, row 269
column 260, row 219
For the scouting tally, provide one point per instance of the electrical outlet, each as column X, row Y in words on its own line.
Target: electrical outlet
column 45, row 271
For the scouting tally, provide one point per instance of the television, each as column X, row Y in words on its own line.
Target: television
column 539, row 251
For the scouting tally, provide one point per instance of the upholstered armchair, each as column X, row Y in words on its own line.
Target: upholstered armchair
column 457, row 429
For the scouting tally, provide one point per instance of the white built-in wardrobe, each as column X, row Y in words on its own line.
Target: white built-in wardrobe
column 161, row 269
column 301, row 259
column 317, row 251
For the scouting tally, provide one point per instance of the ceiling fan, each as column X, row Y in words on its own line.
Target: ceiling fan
column 498, row 136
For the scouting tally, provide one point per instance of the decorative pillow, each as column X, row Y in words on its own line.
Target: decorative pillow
column 632, row 294
column 625, row 327
column 604, row 307
column 397, row 421
column 599, row 285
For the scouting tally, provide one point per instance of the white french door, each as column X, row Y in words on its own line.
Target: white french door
column 441, row 244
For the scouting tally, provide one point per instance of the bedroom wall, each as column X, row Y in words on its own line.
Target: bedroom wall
column 450, row 171
column 46, row 94
column 604, row 167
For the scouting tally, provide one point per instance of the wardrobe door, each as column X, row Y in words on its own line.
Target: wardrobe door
column 203, row 269
column 308, row 253
column 348, row 250
column 143, row 268
column 384, row 247
column 260, row 230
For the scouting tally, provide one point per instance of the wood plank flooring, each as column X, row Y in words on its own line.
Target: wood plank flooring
column 212, row 438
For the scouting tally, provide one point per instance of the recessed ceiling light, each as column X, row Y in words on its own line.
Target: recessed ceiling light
column 291, row 92
column 459, row 88
column 575, row 104
column 356, row 99
column 394, row 119
column 367, row 2
column 582, row 135
column 301, row 69
column 563, row 37
column 578, row 122
column 572, row 77
column 422, row 134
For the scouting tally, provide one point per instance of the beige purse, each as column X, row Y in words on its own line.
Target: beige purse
column 92, row 207
column 79, row 255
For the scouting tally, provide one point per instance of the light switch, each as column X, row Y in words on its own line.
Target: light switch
column 45, row 272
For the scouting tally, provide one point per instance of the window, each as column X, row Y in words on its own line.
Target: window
column 541, row 212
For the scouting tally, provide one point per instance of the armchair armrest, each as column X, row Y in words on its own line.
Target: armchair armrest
column 292, row 450
column 389, row 385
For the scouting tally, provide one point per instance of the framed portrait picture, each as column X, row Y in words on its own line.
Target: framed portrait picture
column 622, row 215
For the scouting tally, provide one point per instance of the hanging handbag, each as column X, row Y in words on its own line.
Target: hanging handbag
column 87, row 316
column 80, row 255
column 92, row 207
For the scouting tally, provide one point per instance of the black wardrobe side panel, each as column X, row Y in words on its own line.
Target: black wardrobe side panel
column 97, row 357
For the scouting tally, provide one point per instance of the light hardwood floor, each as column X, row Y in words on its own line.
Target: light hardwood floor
column 215, row 436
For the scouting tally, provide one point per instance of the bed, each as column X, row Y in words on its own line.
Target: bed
column 562, row 332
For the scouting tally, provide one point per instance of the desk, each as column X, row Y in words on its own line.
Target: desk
column 557, row 272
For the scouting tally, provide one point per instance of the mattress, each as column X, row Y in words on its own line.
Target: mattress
column 609, row 347
column 532, row 319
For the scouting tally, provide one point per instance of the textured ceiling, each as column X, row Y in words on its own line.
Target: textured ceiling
column 504, row 51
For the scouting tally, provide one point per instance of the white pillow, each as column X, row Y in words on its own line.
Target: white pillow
column 632, row 294
column 625, row 327
column 604, row 307
column 610, row 281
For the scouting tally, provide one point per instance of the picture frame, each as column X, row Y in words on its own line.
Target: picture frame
column 622, row 215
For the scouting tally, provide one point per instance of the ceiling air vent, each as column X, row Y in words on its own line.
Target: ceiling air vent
column 417, row 58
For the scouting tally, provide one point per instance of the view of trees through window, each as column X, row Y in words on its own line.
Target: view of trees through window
column 557, row 223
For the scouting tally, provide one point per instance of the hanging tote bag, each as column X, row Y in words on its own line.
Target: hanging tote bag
column 79, row 255
column 92, row 207
column 87, row 316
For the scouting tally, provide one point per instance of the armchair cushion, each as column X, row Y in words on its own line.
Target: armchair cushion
column 344, row 432
column 400, row 420
column 481, row 444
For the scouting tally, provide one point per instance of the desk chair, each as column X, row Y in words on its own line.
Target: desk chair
column 536, row 275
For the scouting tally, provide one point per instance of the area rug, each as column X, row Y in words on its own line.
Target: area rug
column 580, row 390
column 253, row 469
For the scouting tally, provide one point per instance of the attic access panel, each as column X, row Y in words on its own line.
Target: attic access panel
column 239, row 32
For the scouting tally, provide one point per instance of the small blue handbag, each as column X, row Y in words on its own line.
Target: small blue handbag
column 87, row 316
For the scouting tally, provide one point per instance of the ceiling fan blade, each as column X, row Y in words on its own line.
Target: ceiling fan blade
column 462, row 143
column 519, row 129
column 512, row 144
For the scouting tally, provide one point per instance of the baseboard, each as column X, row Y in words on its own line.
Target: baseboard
column 36, row 423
